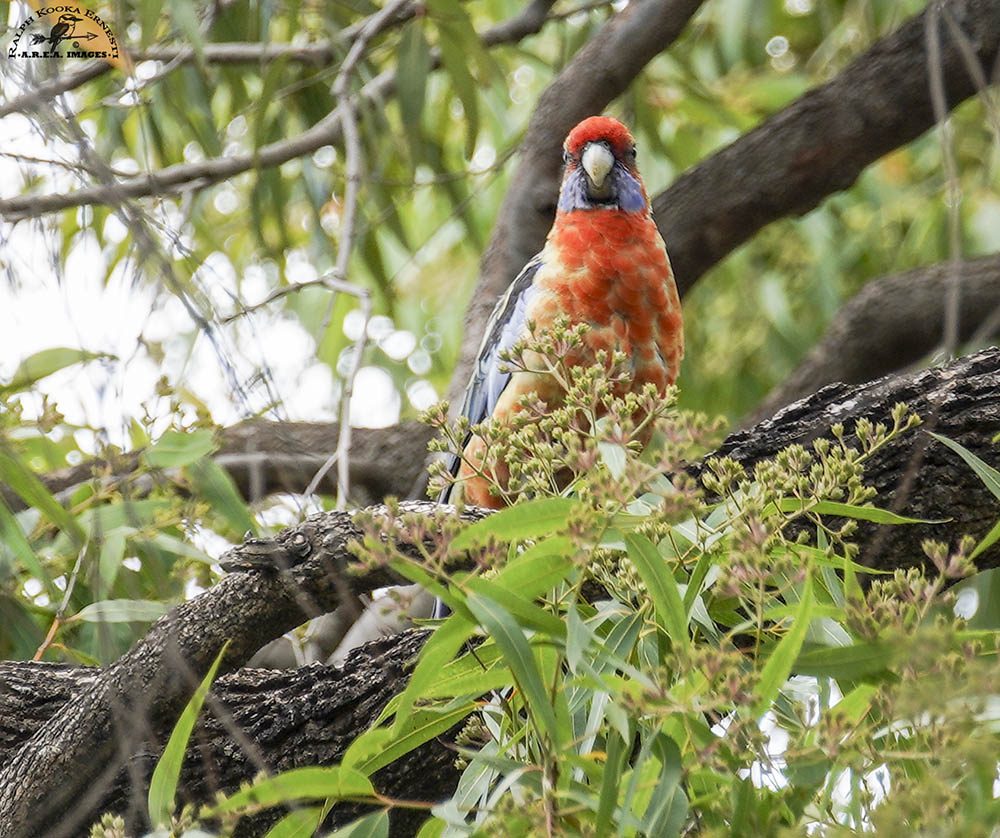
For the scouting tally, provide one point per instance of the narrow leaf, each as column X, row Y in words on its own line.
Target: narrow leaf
column 41, row 364
column 121, row 611
column 215, row 485
column 420, row 727
column 176, row 448
column 519, row 657
column 661, row 587
column 300, row 823
column 374, row 825
column 989, row 475
column 849, row 510
column 439, row 650
column 845, row 662
column 26, row 484
column 533, row 519
column 298, row 784
column 163, row 786
column 783, row 656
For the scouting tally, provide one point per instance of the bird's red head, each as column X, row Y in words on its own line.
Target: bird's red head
column 600, row 168
column 596, row 129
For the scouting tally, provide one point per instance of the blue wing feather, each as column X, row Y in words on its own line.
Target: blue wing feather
column 505, row 327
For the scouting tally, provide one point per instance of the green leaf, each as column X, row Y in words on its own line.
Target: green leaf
column 539, row 568
column 845, row 662
column 413, row 66
column 111, row 558
column 989, row 475
column 442, row 646
column 26, row 484
column 458, row 43
column 163, row 785
column 185, row 16
column 310, row 783
column 36, row 367
column 610, row 783
column 986, row 588
column 533, row 519
column 668, row 807
column 420, row 727
column 521, row 607
column 848, row 510
column 782, row 657
column 374, row 825
column 300, row 823
column 519, row 657
column 12, row 538
column 176, row 448
column 211, row 482
column 988, row 541
column 661, row 587
column 121, row 611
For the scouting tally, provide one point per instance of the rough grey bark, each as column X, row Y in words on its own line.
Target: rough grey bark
column 52, row 779
column 254, row 718
column 894, row 321
column 59, row 759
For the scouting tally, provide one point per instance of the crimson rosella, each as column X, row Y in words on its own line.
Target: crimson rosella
column 604, row 264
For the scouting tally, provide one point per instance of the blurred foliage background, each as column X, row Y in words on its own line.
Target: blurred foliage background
column 167, row 345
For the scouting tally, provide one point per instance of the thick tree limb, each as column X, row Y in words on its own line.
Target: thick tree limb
column 282, row 720
column 139, row 697
column 68, row 746
column 894, row 321
column 820, row 143
column 265, row 457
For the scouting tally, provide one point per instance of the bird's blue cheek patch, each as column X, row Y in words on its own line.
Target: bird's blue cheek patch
column 630, row 197
column 627, row 193
column 573, row 194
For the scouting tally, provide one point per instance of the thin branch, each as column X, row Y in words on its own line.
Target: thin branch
column 953, row 188
column 48, row 90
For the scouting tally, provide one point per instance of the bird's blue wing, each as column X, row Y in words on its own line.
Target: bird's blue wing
column 505, row 327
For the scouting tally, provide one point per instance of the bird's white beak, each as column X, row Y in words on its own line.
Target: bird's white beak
column 597, row 162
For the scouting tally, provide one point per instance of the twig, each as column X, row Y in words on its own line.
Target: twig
column 57, row 619
column 939, row 102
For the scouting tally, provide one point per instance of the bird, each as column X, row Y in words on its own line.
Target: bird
column 605, row 265
column 62, row 30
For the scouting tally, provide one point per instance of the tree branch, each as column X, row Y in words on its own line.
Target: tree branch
column 64, row 758
column 894, row 321
column 820, row 143
column 151, row 683
column 264, row 457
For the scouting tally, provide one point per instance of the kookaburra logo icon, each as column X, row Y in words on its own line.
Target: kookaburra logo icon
column 62, row 31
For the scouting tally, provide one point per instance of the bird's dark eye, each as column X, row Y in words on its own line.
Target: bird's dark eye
column 633, row 153
column 567, row 157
